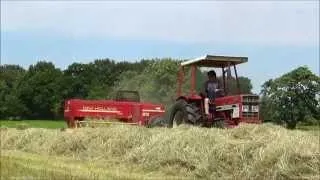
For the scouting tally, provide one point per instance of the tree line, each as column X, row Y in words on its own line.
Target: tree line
column 39, row 92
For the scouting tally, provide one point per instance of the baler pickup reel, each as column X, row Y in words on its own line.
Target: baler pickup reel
column 99, row 123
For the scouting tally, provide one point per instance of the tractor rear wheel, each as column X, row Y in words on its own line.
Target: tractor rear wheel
column 182, row 113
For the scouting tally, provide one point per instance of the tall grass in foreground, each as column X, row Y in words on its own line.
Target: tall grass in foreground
column 248, row 152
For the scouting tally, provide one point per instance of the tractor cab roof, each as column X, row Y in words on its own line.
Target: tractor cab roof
column 215, row 61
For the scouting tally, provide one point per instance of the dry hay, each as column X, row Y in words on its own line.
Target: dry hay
column 247, row 152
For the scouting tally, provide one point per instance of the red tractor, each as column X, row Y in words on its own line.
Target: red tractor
column 125, row 107
column 224, row 110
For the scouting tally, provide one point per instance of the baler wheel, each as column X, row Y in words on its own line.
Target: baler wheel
column 156, row 122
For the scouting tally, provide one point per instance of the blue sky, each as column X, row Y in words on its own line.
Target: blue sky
column 276, row 36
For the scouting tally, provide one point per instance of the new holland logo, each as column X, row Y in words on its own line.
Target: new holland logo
column 99, row 109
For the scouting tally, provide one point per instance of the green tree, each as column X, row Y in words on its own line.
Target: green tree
column 96, row 79
column 77, row 80
column 40, row 89
column 291, row 98
column 10, row 105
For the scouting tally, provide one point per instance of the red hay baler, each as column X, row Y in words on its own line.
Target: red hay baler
column 126, row 108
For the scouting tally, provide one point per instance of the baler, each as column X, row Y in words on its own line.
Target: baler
column 126, row 108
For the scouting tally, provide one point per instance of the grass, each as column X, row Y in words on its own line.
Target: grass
column 309, row 128
column 50, row 124
column 56, row 124
column 129, row 152
column 22, row 165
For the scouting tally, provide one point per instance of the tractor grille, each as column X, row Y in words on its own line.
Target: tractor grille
column 250, row 107
column 250, row 99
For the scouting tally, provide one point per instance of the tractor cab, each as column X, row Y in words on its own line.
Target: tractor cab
column 223, row 63
column 226, row 108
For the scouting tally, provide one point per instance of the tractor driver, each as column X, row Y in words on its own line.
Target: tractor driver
column 211, row 86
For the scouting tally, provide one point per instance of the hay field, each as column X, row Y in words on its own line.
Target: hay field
column 50, row 124
column 128, row 152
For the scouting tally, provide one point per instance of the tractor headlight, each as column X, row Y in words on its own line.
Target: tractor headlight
column 245, row 108
column 255, row 108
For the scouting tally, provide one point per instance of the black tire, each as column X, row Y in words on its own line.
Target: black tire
column 183, row 113
column 156, row 122
column 219, row 123
column 193, row 114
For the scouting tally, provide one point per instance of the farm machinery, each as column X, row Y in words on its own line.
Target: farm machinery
column 225, row 109
column 124, row 108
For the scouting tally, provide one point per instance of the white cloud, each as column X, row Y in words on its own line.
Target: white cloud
column 264, row 22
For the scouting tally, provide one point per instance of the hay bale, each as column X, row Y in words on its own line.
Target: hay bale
column 246, row 152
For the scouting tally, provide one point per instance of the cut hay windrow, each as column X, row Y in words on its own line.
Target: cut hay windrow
column 247, row 152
